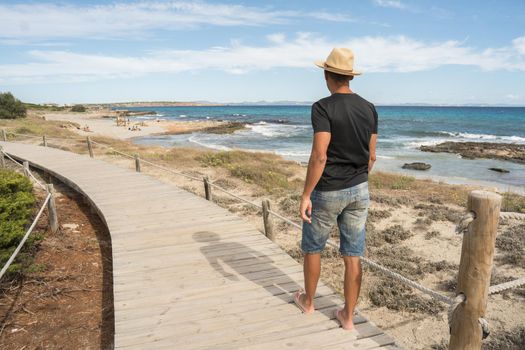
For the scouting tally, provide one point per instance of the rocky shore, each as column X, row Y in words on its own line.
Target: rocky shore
column 470, row 150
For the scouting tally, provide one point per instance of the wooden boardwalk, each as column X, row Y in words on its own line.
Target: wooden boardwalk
column 191, row 275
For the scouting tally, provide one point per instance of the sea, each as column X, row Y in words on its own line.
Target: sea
column 286, row 130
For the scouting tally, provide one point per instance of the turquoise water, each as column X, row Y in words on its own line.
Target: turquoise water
column 286, row 130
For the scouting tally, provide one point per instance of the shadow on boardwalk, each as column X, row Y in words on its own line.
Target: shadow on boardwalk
column 246, row 262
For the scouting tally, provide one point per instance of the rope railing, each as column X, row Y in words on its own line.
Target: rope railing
column 172, row 171
column 26, row 236
column 512, row 215
column 234, row 195
column 47, row 137
column 507, row 285
column 112, row 149
column 26, row 169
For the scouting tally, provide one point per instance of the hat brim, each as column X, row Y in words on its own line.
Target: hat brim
column 322, row 64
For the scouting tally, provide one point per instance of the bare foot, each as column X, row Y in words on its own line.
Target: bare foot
column 299, row 299
column 346, row 323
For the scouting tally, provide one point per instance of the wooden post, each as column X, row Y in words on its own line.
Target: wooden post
column 90, row 147
column 207, row 188
column 2, row 159
column 44, row 140
column 4, row 135
column 267, row 220
column 137, row 163
column 52, row 210
column 26, row 168
column 475, row 267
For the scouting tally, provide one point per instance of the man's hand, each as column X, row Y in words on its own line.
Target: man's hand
column 306, row 209
column 371, row 164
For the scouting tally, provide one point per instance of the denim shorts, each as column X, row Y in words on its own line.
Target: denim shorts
column 347, row 207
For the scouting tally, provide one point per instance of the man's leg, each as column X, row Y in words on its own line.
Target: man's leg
column 315, row 235
column 312, row 271
column 352, row 286
column 352, row 227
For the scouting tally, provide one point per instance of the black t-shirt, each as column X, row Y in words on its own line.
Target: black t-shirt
column 351, row 120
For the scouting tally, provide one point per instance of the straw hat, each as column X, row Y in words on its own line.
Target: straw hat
column 340, row 61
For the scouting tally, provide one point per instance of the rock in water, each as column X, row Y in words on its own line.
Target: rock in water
column 417, row 166
column 500, row 170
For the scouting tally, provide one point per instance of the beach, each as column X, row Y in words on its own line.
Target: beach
column 410, row 227
column 103, row 123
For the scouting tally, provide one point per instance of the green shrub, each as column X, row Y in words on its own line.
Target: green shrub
column 10, row 107
column 78, row 108
column 16, row 208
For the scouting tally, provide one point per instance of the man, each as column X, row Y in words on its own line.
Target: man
column 336, row 187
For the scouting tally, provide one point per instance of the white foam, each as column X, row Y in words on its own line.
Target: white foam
column 419, row 143
column 182, row 115
column 483, row 137
column 194, row 139
column 293, row 153
column 276, row 130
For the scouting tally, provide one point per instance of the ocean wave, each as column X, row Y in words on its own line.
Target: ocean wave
column 276, row 121
column 473, row 136
column 276, row 130
column 293, row 153
column 144, row 117
column 194, row 139
column 182, row 115
column 419, row 143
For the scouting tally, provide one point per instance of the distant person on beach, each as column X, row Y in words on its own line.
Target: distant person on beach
column 336, row 187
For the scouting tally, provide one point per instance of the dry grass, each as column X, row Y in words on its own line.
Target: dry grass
column 397, row 296
column 422, row 190
column 34, row 124
column 392, row 234
column 511, row 244
column 513, row 202
column 269, row 171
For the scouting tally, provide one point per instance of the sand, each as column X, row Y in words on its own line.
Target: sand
column 103, row 123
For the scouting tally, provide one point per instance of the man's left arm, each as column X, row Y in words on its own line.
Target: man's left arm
column 315, row 170
column 373, row 141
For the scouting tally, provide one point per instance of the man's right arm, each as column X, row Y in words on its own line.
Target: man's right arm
column 373, row 140
column 372, row 148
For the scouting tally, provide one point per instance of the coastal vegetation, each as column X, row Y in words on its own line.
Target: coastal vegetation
column 44, row 107
column 78, row 108
column 16, row 209
column 11, row 107
column 269, row 171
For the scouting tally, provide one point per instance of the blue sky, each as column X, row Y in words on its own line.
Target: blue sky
column 411, row 51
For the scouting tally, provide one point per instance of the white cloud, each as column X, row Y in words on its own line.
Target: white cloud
column 373, row 54
column 390, row 3
column 519, row 44
column 33, row 21
column 512, row 97
column 277, row 38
